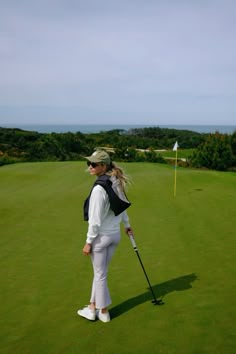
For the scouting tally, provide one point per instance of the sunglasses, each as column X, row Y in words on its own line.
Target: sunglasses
column 93, row 164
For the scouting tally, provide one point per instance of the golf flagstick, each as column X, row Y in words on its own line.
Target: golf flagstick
column 155, row 301
column 175, row 148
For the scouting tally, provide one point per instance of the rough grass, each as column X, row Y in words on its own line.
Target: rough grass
column 186, row 243
column 182, row 153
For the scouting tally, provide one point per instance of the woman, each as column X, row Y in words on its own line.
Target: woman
column 105, row 210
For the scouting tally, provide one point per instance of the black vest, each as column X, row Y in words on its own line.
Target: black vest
column 117, row 205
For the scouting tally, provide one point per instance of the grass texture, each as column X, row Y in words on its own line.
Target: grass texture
column 187, row 245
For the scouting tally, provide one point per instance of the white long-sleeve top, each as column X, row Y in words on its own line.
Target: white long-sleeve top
column 102, row 220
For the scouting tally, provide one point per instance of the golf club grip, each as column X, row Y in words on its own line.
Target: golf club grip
column 132, row 241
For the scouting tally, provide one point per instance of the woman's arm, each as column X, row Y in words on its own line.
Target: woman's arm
column 97, row 211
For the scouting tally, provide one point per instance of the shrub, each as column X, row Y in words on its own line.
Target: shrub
column 215, row 153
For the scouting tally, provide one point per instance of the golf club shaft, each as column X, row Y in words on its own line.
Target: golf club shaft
column 136, row 250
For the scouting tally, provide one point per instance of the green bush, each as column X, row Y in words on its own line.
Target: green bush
column 215, row 153
column 6, row 160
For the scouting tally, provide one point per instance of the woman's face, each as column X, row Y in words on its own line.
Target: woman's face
column 96, row 169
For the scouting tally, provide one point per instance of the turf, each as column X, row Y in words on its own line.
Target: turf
column 187, row 244
column 185, row 153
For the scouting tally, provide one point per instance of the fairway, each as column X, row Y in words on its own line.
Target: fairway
column 187, row 245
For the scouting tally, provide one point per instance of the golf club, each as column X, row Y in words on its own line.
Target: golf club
column 155, row 301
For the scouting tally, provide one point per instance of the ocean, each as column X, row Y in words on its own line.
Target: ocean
column 96, row 128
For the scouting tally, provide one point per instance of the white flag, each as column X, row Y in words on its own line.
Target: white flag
column 175, row 146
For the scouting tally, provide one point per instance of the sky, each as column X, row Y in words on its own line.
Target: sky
column 118, row 62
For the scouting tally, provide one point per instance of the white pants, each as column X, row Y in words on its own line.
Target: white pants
column 103, row 249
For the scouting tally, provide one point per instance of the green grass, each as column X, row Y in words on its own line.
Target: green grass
column 186, row 243
column 182, row 153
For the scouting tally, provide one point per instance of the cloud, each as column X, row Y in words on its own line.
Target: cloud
column 140, row 55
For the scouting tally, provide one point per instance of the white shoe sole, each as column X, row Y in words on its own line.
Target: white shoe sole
column 80, row 313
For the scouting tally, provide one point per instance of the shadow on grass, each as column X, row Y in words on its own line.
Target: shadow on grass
column 160, row 290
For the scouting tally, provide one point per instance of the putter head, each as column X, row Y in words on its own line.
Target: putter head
column 157, row 302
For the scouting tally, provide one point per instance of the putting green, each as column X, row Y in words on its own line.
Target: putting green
column 187, row 245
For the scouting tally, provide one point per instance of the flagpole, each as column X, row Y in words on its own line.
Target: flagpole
column 175, row 172
column 175, row 148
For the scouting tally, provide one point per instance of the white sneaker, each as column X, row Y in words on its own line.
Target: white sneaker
column 104, row 317
column 86, row 312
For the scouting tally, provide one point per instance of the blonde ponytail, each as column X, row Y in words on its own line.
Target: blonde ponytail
column 117, row 172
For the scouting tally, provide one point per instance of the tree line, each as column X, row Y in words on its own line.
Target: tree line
column 214, row 151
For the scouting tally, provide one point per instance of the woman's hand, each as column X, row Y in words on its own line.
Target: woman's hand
column 87, row 249
column 129, row 231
